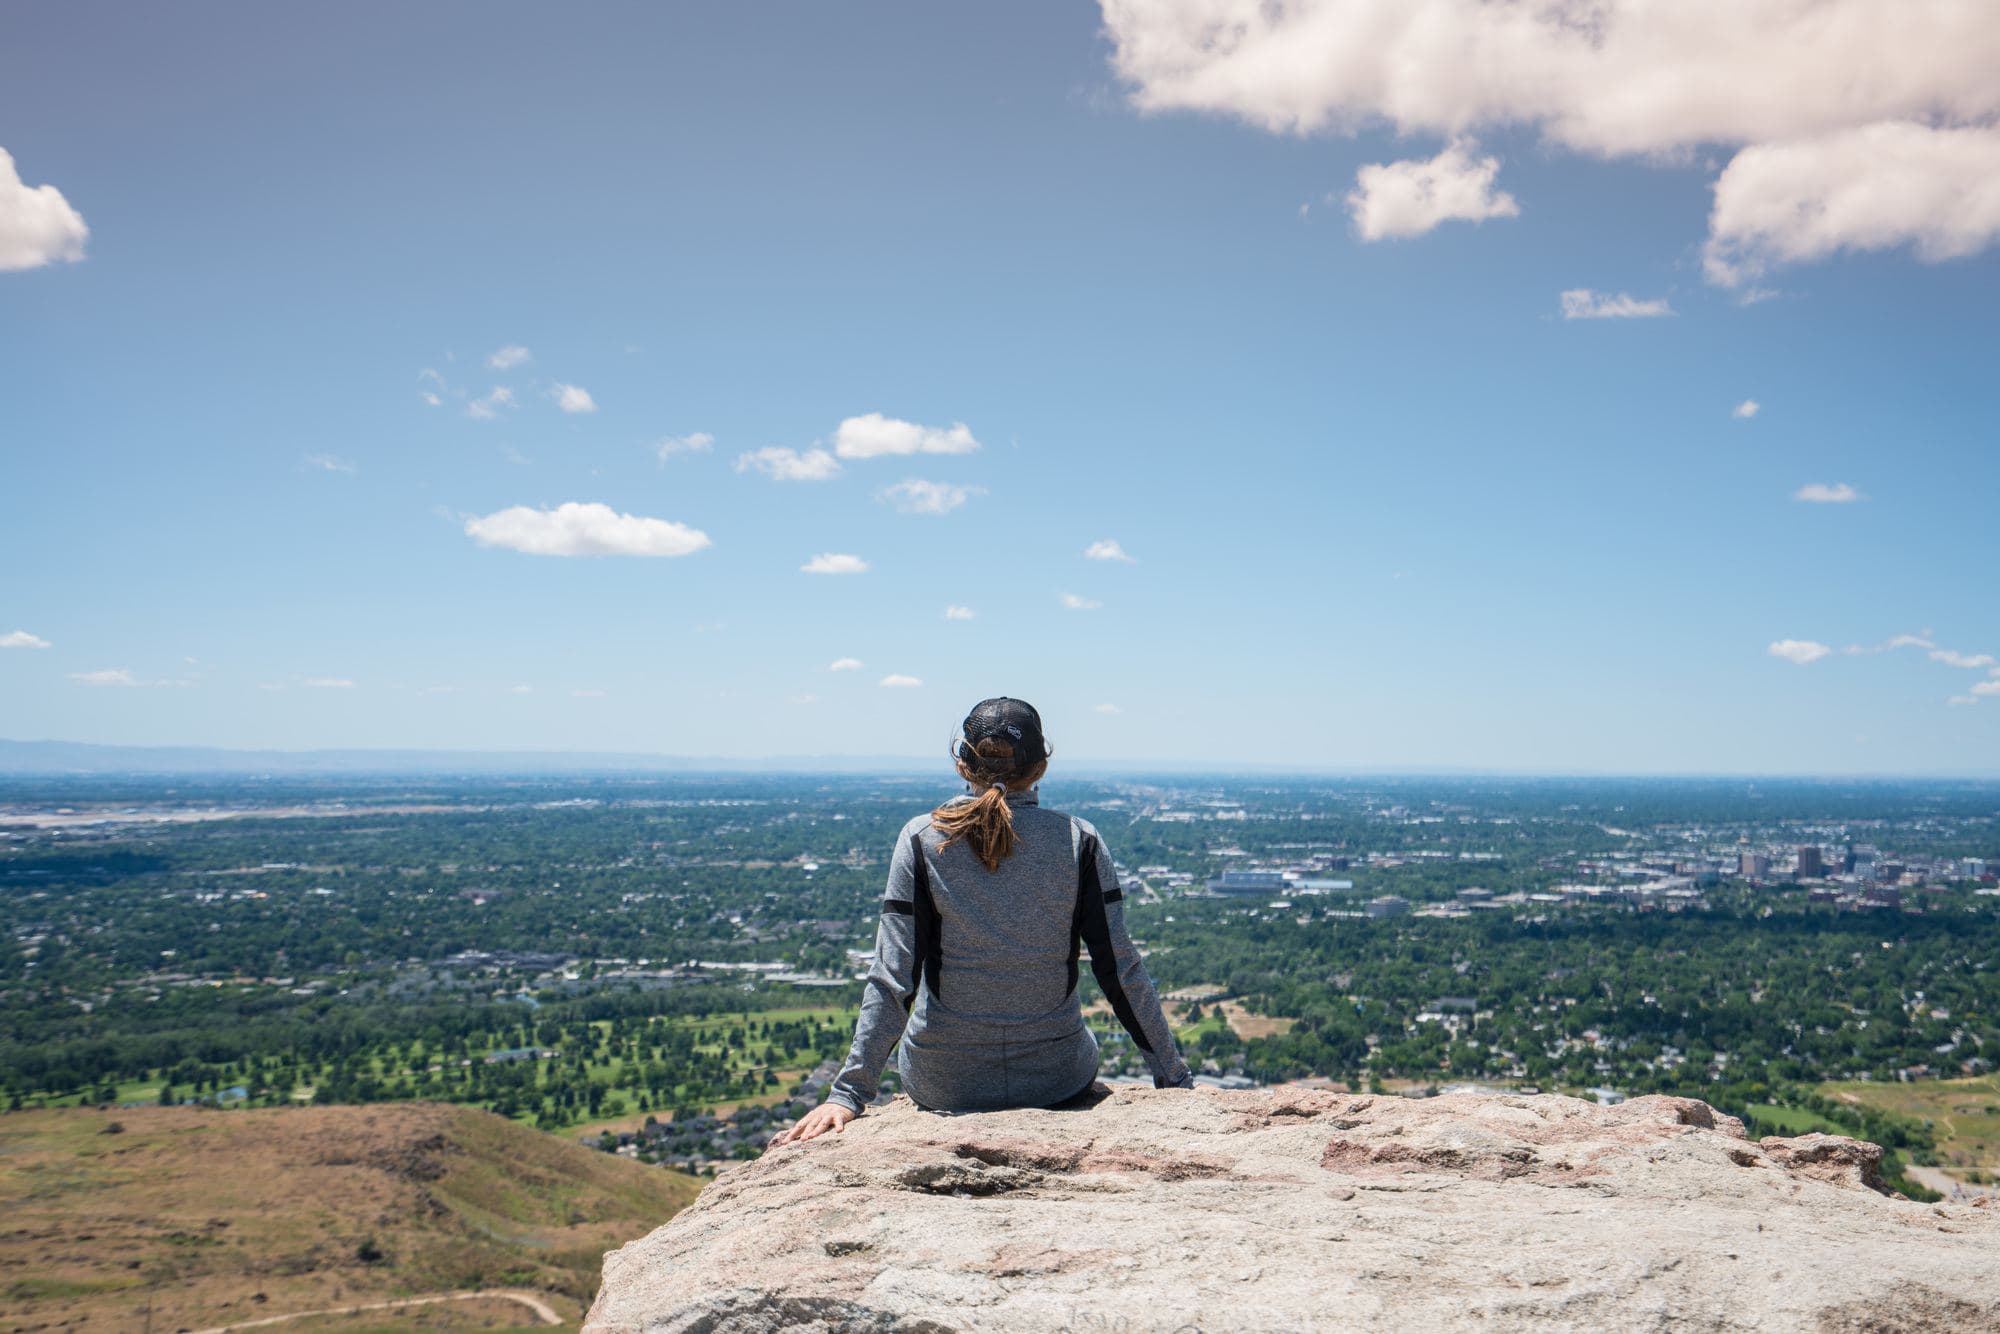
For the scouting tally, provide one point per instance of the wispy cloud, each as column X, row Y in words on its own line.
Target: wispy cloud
column 1922, row 641
column 1580, row 303
column 325, row 463
column 1827, row 493
column 844, row 665
column 586, row 693
column 1105, row 708
column 22, row 639
column 1745, row 410
column 107, row 676
column 790, row 465
column 328, row 683
column 1800, row 651
column 697, row 442
column 1077, row 602
column 835, row 562
column 487, row 408
column 583, row 529
column 1106, row 549
column 958, row 613
column 919, row 497
column 574, row 398
column 510, row 356
column 897, row 681
column 873, row 435
column 1953, row 658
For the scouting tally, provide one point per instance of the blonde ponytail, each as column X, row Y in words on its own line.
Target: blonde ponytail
column 986, row 822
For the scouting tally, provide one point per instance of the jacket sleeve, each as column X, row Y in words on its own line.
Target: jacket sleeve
column 891, row 987
column 1115, row 963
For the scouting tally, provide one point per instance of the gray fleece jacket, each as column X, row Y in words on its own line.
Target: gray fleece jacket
column 976, row 971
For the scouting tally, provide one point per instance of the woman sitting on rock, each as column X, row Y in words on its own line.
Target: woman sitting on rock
column 976, row 954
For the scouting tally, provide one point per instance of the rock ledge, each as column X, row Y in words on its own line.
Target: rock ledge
column 1288, row 1209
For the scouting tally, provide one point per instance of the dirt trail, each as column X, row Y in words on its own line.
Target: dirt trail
column 541, row 1308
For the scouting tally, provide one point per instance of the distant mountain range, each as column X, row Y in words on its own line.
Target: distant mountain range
column 75, row 757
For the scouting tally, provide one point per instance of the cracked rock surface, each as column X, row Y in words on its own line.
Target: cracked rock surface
column 1293, row 1209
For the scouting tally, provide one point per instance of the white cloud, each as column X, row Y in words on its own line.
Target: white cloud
column 873, row 436
column 1076, row 602
column 487, row 408
column 109, row 676
column 1963, row 699
column 1409, row 198
column 697, row 442
column 574, row 398
column 919, row 497
column 1580, row 303
column 583, row 529
column 844, row 665
column 1829, row 99
column 520, row 690
column 327, row 683
column 1953, row 658
column 958, row 613
column 1105, row 708
column 325, row 463
column 37, row 225
column 432, row 399
column 790, row 465
column 1800, row 651
column 897, row 681
column 1827, row 493
column 510, row 356
column 1745, row 410
column 1871, row 187
column 835, row 562
column 1106, row 549
column 1987, row 688
column 1910, row 641
column 22, row 639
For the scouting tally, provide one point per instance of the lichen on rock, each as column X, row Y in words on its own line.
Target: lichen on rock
column 1293, row 1209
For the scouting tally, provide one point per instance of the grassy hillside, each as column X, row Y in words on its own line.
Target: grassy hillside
column 182, row 1218
column 1964, row 1114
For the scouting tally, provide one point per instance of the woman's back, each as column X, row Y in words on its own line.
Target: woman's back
column 989, row 899
column 1004, row 936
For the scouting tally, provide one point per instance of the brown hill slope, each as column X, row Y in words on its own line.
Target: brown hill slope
column 187, row 1218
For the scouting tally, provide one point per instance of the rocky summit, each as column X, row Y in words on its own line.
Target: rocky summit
column 1294, row 1209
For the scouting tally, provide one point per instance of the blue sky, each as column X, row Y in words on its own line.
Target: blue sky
column 1384, row 504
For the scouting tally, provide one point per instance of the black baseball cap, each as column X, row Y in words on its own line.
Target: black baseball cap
column 1013, row 721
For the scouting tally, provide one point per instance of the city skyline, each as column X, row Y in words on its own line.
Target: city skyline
column 687, row 384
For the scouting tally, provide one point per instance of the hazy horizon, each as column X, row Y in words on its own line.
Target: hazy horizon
column 35, row 758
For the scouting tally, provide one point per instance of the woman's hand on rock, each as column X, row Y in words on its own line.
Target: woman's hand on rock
column 827, row 1116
